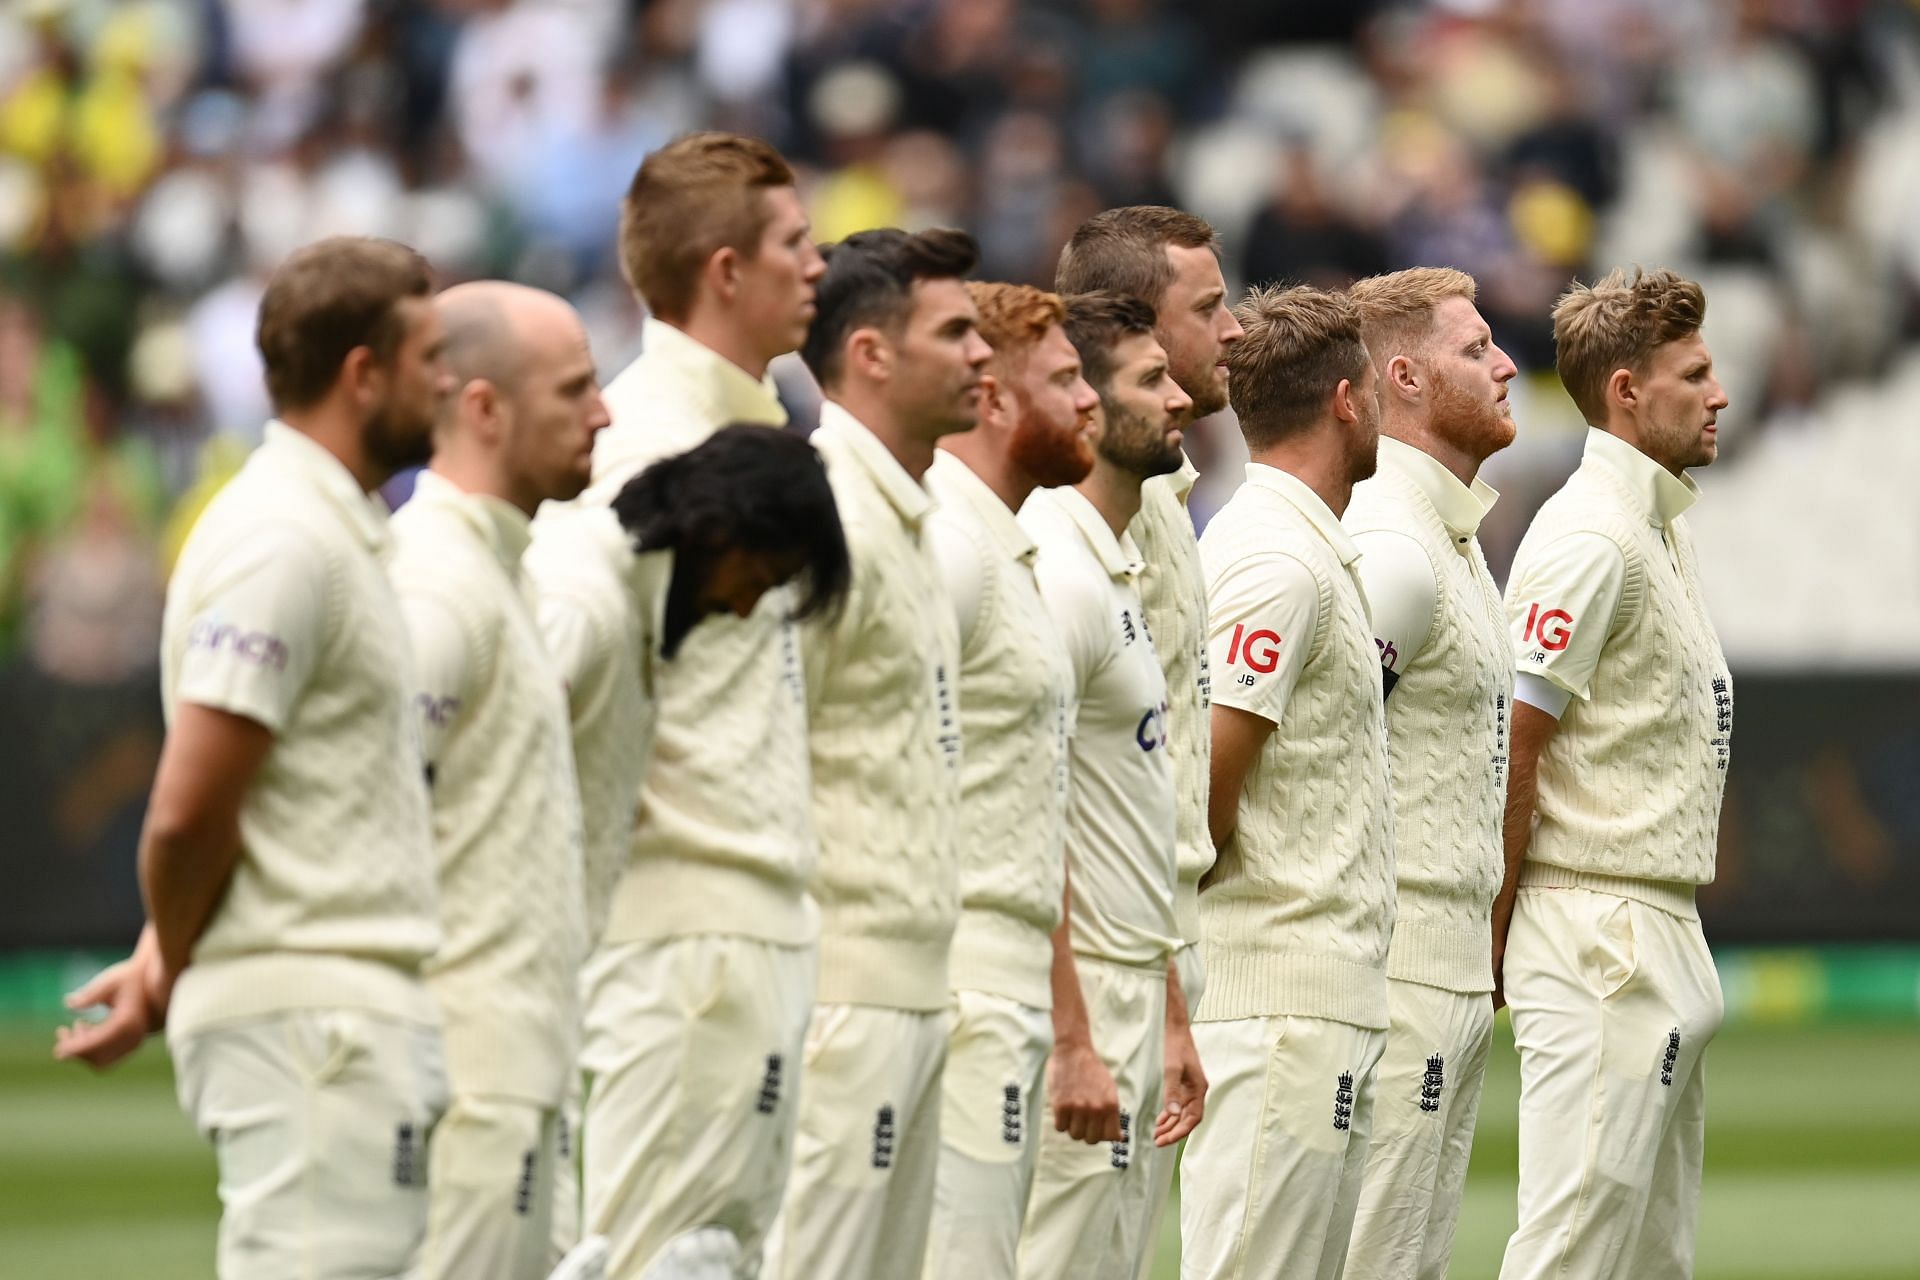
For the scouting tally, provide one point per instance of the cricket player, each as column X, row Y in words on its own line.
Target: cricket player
column 1116, row 1001
column 1299, row 908
column 1170, row 260
column 1621, row 731
column 287, row 858
column 1015, row 688
column 1440, row 629
column 506, row 810
column 707, row 955
column 897, row 352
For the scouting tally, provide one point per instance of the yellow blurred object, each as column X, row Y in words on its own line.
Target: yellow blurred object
column 856, row 198
column 33, row 117
column 220, row 458
column 1553, row 221
column 113, row 132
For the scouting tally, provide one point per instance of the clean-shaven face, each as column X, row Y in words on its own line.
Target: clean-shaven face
column 555, row 409
column 776, row 282
column 939, row 357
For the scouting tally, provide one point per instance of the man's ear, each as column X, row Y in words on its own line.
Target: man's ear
column 1622, row 389
column 996, row 400
column 363, row 375
column 1407, row 379
column 1344, row 406
column 869, row 354
column 722, row 272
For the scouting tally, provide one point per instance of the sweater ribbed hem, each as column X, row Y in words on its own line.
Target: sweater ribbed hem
column 495, row 1054
column 238, row 988
column 1243, row 982
column 1186, row 907
column 1444, row 956
column 891, row 973
column 665, row 897
column 1002, row 956
column 1671, row 896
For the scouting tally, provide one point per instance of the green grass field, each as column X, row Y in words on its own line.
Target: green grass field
column 1813, row 1164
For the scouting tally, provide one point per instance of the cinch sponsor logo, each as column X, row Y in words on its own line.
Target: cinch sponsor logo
column 1257, row 651
column 438, row 712
column 1553, row 628
column 1152, row 732
column 1389, row 656
column 262, row 648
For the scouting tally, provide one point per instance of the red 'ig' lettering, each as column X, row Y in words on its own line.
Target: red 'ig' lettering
column 1553, row 629
column 1242, row 649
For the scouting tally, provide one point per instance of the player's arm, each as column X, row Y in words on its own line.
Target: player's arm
column 1401, row 591
column 1185, row 1080
column 963, row 568
column 442, row 669
column 191, row 841
column 1561, row 605
column 1082, row 1092
column 1264, row 609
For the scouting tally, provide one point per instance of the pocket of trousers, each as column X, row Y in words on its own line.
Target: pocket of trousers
column 1610, row 959
column 324, row 1044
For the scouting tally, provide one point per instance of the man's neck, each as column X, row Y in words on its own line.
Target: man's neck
column 1418, row 433
column 1629, row 430
column 911, row 451
column 1114, row 493
column 334, row 430
column 478, row 476
column 718, row 335
column 985, row 454
column 1315, row 459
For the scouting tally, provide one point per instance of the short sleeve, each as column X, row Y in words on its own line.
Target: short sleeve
column 1263, row 612
column 575, row 643
column 963, row 567
column 1560, row 606
column 443, row 666
column 1397, row 576
column 1078, row 606
column 258, row 632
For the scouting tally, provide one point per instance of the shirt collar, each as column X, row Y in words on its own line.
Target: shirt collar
column 501, row 525
column 953, row 483
column 905, row 494
column 1183, row 479
column 1659, row 493
column 1318, row 514
column 366, row 513
column 733, row 394
column 1118, row 556
column 1460, row 507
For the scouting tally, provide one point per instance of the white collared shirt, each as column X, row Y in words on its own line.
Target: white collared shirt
column 1120, row 792
column 279, row 611
column 1015, row 688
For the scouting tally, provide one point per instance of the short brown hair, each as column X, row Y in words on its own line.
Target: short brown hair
column 1013, row 317
column 1096, row 322
column 1125, row 251
column 1300, row 342
column 1616, row 323
column 1396, row 309
column 869, row 282
column 688, row 200
column 325, row 300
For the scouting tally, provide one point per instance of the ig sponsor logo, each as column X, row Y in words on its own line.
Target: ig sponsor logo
column 1257, row 651
column 1552, row 628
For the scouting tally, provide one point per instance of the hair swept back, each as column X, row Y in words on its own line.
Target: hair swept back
column 1396, row 309
column 1096, row 324
column 1300, row 343
column 1616, row 323
column 328, row 298
column 688, row 200
column 1125, row 251
column 1014, row 317
column 869, row 284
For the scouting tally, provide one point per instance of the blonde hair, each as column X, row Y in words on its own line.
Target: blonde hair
column 1617, row 322
column 688, row 200
column 1299, row 343
column 1396, row 309
column 1014, row 317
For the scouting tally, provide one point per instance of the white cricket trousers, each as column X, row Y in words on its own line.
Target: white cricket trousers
column 692, row 1047
column 1271, row 1178
column 1163, row 1161
column 319, row 1120
column 1087, row 1217
column 993, row 1104
column 867, row 1147
column 491, row 1190
column 1613, row 1004
column 1426, row 1097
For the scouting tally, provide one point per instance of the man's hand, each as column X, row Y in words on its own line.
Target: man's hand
column 135, row 991
column 1085, row 1100
column 1186, row 1088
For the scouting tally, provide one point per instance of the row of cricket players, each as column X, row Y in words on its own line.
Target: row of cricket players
column 958, row 844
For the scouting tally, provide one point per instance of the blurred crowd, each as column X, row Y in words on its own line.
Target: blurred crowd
column 158, row 157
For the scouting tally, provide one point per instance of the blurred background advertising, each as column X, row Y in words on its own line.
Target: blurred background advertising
column 158, row 157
